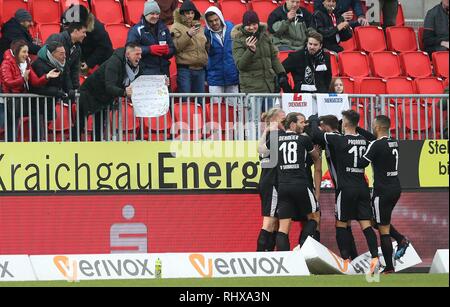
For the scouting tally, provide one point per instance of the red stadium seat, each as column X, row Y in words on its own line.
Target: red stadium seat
column 418, row 119
column 118, row 34
column 430, row 85
column 203, row 5
column 59, row 128
column 263, row 8
column 441, row 63
column 44, row 30
column 173, row 74
column 220, row 121
column 157, row 129
column 370, row 39
column 416, row 64
column 107, row 11
column 354, row 64
column 420, row 38
column 133, row 10
column 130, row 124
column 400, row 85
column 46, row 11
column 66, row 3
column 9, row 8
column 309, row 5
column 350, row 86
column 233, row 10
column 385, row 64
column 188, row 121
column 401, row 39
column 372, row 86
column 350, row 44
column 334, row 64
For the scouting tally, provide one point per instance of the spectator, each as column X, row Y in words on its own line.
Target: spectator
column 333, row 26
column 16, row 78
column 71, row 40
column 96, row 47
column 167, row 9
column 348, row 8
column 389, row 8
column 17, row 28
column 154, row 38
column 222, row 76
column 190, row 42
column 288, row 24
column 337, row 86
column 111, row 80
column 435, row 36
column 310, row 68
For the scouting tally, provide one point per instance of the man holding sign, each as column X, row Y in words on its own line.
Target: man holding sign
column 111, row 80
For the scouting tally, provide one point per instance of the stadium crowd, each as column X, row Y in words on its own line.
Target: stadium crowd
column 207, row 48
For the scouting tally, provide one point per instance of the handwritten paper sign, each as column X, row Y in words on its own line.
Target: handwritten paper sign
column 332, row 104
column 302, row 103
column 150, row 96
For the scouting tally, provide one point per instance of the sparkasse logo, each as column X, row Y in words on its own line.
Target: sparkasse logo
column 72, row 269
column 237, row 266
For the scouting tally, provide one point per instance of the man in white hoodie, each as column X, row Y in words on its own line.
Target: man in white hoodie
column 223, row 76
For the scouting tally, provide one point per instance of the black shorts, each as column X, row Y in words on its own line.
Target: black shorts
column 295, row 201
column 269, row 200
column 353, row 204
column 383, row 203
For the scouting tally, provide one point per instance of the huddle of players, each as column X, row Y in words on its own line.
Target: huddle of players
column 286, row 185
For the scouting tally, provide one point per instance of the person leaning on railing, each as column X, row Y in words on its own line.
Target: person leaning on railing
column 16, row 78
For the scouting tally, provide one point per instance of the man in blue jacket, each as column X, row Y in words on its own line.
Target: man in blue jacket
column 154, row 38
column 222, row 74
column 344, row 8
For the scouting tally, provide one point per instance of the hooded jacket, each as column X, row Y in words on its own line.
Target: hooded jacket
column 221, row 70
column 324, row 25
column 105, row 84
column 191, row 51
column 257, row 71
column 10, row 74
column 287, row 33
column 142, row 35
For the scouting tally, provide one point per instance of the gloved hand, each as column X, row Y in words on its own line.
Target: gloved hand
column 283, row 83
column 165, row 49
column 313, row 118
column 159, row 50
column 71, row 94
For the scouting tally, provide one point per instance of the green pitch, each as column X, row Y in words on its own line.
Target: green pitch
column 393, row 280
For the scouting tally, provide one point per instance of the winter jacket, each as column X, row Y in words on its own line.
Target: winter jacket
column 142, row 34
column 105, row 84
column 221, row 70
column 436, row 28
column 287, row 33
column 257, row 71
column 39, row 84
column 11, row 76
column 191, row 51
column 323, row 23
column 297, row 63
column 343, row 6
column 167, row 7
column 12, row 31
column 96, row 47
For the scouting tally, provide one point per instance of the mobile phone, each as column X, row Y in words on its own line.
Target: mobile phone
column 197, row 26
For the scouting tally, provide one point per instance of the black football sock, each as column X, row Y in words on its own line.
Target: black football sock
column 308, row 231
column 371, row 239
column 343, row 241
column 386, row 247
column 283, row 242
column 395, row 234
column 272, row 241
column 353, row 250
column 317, row 236
column 263, row 240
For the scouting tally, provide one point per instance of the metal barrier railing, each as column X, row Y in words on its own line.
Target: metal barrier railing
column 200, row 117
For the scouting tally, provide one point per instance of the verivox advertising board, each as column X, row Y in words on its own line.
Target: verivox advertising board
column 152, row 166
column 172, row 265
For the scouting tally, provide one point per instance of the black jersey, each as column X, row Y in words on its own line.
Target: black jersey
column 384, row 155
column 348, row 151
column 269, row 174
column 292, row 152
column 330, row 156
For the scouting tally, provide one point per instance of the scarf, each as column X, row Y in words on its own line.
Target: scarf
column 59, row 66
column 314, row 63
column 131, row 73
